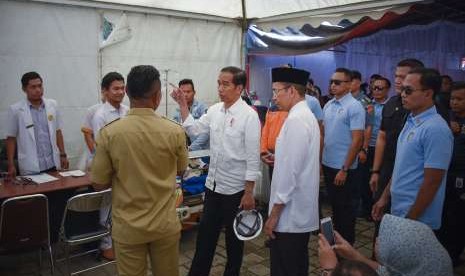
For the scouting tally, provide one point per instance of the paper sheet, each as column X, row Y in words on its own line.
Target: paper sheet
column 38, row 178
column 72, row 173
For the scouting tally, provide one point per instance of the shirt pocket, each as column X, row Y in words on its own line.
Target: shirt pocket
column 234, row 142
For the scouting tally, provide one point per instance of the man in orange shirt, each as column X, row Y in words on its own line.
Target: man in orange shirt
column 273, row 122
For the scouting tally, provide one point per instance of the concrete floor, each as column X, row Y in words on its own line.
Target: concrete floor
column 255, row 263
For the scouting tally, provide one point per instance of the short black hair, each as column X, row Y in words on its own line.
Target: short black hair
column 446, row 77
column 109, row 78
column 386, row 80
column 410, row 62
column 429, row 78
column 186, row 81
column 142, row 82
column 458, row 85
column 353, row 268
column 239, row 75
column 356, row 75
column 29, row 76
column 310, row 81
column 376, row 76
column 345, row 71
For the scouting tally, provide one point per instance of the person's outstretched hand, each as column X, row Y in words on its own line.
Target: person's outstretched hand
column 326, row 254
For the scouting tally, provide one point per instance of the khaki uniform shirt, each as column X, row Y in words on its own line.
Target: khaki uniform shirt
column 140, row 155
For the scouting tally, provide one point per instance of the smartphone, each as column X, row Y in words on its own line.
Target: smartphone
column 326, row 228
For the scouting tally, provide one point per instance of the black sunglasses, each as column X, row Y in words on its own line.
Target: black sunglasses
column 337, row 82
column 379, row 88
column 409, row 90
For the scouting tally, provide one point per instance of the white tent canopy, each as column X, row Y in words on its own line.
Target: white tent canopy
column 261, row 11
column 62, row 40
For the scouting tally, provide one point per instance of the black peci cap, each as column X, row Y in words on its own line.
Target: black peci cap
column 290, row 75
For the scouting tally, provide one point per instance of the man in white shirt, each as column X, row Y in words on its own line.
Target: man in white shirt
column 234, row 130
column 34, row 128
column 113, row 89
column 294, row 188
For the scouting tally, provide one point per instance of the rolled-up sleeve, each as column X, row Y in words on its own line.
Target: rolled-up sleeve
column 252, row 148
column 196, row 127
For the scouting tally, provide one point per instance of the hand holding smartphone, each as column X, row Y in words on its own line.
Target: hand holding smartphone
column 326, row 228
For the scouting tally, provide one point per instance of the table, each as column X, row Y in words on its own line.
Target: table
column 8, row 189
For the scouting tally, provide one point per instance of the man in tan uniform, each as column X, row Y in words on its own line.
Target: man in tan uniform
column 139, row 156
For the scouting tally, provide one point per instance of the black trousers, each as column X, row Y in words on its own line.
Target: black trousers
column 289, row 254
column 362, row 178
column 452, row 231
column 219, row 210
column 342, row 203
column 385, row 175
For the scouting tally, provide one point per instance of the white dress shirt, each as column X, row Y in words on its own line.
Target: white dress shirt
column 296, row 174
column 106, row 114
column 234, row 145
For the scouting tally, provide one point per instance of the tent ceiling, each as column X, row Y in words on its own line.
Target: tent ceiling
column 302, row 37
column 255, row 9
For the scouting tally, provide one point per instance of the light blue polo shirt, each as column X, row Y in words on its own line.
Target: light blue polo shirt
column 376, row 121
column 425, row 142
column 314, row 106
column 340, row 118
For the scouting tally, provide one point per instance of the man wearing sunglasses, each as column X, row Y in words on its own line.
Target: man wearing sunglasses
column 343, row 125
column 393, row 117
column 424, row 151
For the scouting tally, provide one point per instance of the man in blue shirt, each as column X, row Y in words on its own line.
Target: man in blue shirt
column 361, row 198
column 197, row 109
column 380, row 89
column 424, row 150
column 343, row 125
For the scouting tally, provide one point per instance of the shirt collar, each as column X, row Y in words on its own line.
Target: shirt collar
column 422, row 117
column 142, row 112
column 42, row 104
column 233, row 108
column 298, row 106
column 381, row 103
column 360, row 95
column 344, row 99
column 109, row 107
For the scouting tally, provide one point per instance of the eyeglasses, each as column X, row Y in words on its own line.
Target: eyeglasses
column 409, row 90
column 378, row 88
column 276, row 91
column 337, row 82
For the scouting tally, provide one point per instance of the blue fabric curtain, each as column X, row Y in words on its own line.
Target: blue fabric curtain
column 440, row 45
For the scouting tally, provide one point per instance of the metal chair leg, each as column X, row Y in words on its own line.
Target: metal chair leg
column 52, row 263
column 40, row 259
column 68, row 269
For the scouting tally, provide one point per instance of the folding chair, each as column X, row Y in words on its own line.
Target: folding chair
column 83, row 204
column 24, row 226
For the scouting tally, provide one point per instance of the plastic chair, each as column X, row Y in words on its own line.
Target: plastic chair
column 24, row 226
column 83, row 204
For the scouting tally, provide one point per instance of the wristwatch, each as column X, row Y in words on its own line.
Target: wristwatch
column 344, row 169
column 63, row 155
column 374, row 171
column 326, row 272
column 364, row 150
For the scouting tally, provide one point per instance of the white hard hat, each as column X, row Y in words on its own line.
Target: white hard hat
column 248, row 224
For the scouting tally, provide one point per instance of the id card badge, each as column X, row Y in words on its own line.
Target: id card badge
column 458, row 182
